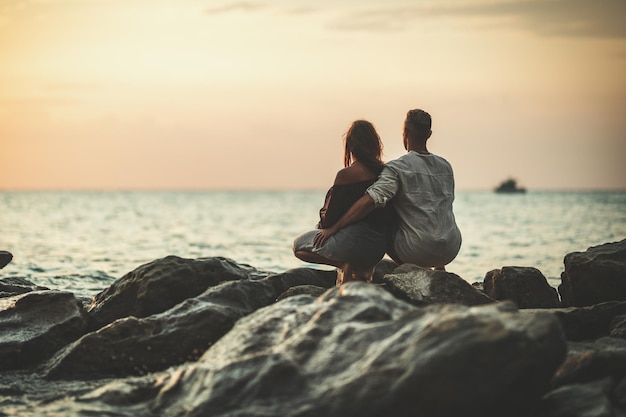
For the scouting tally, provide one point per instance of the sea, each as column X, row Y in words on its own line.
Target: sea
column 83, row 241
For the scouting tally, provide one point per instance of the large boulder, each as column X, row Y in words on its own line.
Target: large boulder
column 355, row 351
column 160, row 285
column 527, row 287
column 594, row 276
column 421, row 286
column 36, row 324
column 133, row 346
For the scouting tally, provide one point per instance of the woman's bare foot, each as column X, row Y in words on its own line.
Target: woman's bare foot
column 340, row 276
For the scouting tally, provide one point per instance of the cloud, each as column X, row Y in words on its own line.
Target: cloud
column 588, row 18
column 245, row 6
column 568, row 18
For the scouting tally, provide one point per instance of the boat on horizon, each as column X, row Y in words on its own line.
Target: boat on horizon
column 509, row 186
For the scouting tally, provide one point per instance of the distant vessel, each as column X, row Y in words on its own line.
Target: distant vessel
column 509, row 186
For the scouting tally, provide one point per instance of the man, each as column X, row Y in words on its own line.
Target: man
column 421, row 187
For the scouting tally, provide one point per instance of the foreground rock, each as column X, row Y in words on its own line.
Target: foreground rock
column 594, row 276
column 527, row 287
column 355, row 351
column 160, row 285
column 36, row 324
column 135, row 346
column 421, row 287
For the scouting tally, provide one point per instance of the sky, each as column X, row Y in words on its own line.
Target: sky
column 209, row 94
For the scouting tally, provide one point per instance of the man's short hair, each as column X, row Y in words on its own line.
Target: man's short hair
column 418, row 123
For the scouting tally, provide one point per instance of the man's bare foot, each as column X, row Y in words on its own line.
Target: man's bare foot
column 352, row 273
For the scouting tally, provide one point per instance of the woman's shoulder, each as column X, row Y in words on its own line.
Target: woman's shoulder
column 353, row 174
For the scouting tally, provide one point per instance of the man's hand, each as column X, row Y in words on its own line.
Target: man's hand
column 360, row 209
column 322, row 236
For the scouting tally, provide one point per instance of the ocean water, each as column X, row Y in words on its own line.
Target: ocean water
column 83, row 241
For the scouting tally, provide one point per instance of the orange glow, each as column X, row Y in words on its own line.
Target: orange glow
column 175, row 95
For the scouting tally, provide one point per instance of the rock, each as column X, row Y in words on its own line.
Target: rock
column 421, row 286
column 579, row 400
column 383, row 267
column 159, row 285
column 620, row 394
column 312, row 290
column 5, row 258
column 594, row 276
column 135, row 346
column 36, row 324
column 14, row 285
column 584, row 323
column 617, row 327
column 589, row 361
column 355, row 351
column 302, row 276
column 526, row 287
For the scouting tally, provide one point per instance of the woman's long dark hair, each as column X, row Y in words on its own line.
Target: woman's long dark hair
column 362, row 141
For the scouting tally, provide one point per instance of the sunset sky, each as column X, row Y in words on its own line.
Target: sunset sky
column 205, row 94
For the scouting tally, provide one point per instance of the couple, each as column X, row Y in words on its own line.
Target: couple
column 402, row 208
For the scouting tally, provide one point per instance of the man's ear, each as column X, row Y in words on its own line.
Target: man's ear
column 430, row 132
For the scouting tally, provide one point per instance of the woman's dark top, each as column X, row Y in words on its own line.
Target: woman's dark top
column 340, row 198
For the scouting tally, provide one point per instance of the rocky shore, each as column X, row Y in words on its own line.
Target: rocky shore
column 211, row 337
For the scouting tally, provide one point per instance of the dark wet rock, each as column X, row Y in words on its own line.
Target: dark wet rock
column 421, row 286
column 134, row 346
column 620, row 394
column 617, row 327
column 15, row 285
column 355, row 351
column 527, row 287
column 584, row 323
column 383, row 267
column 5, row 258
column 589, row 361
column 311, row 290
column 302, row 276
column 160, row 285
column 36, row 324
column 592, row 399
column 594, row 276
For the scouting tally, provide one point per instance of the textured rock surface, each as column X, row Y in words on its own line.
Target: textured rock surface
column 161, row 284
column 421, row 286
column 593, row 360
column 584, row 323
column 579, row 400
column 134, row 346
column 14, row 285
column 302, row 276
column 527, row 287
column 36, row 324
column 355, row 351
column 594, row 276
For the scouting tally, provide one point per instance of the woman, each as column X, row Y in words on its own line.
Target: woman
column 354, row 250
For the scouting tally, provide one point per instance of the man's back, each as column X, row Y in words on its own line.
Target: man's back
column 422, row 189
